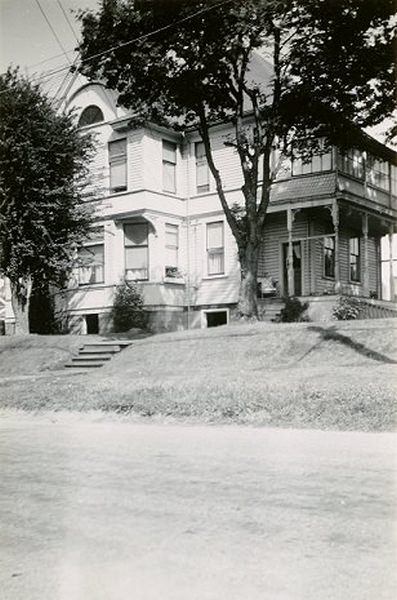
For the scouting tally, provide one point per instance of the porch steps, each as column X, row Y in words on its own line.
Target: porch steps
column 270, row 309
column 96, row 354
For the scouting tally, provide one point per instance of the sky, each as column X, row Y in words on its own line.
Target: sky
column 27, row 40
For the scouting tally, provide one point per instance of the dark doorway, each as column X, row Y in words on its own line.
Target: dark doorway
column 92, row 324
column 214, row 319
column 297, row 262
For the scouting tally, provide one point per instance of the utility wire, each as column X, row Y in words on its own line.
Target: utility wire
column 67, row 19
column 50, row 74
column 52, row 29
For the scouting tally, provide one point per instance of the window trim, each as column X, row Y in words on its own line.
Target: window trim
column 205, row 311
column 87, row 246
column 166, row 161
column 222, row 273
column 325, row 276
column 85, row 110
column 204, row 163
column 177, row 274
column 137, row 246
column 358, row 258
column 121, row 158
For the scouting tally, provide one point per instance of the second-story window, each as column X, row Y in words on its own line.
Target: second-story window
column 171, row 250
column 329, row 257
column 136, row 251
column 354, row 259
column 169, row 166
column 378, row 173
column 351, row 162
column 202, row 171
column 215, row 248
column 317, row 161
column 118, row 165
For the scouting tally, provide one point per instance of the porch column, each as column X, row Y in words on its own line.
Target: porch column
column 290, row 260
column 391, row 276
column 366, row 259
column 335, row 221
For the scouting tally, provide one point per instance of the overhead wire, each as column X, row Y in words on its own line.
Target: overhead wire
column 52, row 29
column 72, row 29
column 61, row 69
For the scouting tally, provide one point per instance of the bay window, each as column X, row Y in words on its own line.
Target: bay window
column 136, row 251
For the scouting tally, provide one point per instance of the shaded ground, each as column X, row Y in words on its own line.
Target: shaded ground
column 93, row 511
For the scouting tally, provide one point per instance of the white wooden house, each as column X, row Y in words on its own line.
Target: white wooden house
column 159, row 222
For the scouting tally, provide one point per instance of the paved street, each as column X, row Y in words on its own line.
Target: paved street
column 112, row 510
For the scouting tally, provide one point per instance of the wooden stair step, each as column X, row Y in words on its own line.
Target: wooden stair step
column 98, row 348
column 93, row 356
column 84, row 363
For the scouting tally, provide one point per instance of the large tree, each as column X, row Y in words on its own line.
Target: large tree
column 187, row 63
column 43, row 171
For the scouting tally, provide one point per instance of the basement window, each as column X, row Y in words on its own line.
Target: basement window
column 215, row 318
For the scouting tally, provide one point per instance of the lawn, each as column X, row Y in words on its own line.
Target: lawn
column 327, row 376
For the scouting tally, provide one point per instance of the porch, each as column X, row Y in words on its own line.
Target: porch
column 325, row 248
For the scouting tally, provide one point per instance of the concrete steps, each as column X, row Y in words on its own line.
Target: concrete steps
column 96, row 354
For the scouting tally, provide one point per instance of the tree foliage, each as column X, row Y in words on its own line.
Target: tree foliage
column 183, row 63
column 43, row 171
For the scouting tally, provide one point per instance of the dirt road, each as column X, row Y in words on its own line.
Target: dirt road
column 111, row 510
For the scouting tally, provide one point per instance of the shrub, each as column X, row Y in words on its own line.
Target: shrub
column 293, row 310
column 127, row 311
column 347, row 309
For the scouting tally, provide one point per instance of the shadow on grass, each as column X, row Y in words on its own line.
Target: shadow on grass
column 335, row 336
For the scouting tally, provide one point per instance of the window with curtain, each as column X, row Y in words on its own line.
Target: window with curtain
column 329, row 257
column 202, row 171
column 118, row 165
column 136, row 248
column 215, row 248
column 171, row 250
column 354, row 259
column 169, row 166
column 91, row 264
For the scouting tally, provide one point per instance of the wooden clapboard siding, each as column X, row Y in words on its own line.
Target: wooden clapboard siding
column 221, row 289
column 271, row 252
column 135, row 160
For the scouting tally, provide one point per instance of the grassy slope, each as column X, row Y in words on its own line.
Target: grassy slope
column 339, row 376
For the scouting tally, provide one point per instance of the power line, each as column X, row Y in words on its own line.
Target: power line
column 52, row 29
column 50, row 74
column 67, row 19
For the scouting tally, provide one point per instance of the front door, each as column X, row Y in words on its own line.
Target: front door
column 297, row 262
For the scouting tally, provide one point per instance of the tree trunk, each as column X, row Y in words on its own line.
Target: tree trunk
column 248, row 304
column 20, row 306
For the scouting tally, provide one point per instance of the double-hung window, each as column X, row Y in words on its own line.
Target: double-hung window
column 118, row 165
column 202, row 171
column 91, row 259
column 215, row 248
column 136, row 251
column 169, row 166
column 329, row 257
column 354, row 259
column 171, row 250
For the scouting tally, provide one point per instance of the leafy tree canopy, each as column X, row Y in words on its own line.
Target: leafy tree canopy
column 43, row 171
column 298, row 68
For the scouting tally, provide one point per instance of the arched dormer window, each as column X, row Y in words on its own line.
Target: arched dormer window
column 90, row 115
